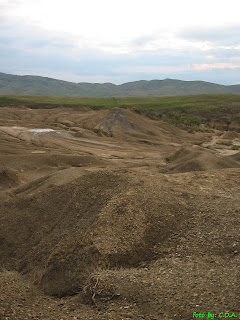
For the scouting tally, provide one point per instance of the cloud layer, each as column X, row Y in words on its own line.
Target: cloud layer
column 35, row 41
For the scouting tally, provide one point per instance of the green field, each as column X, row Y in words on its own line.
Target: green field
column 185, row 111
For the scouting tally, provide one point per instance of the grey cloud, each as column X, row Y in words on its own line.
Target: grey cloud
column 27, row 48
column 225, row 36
column 24, row 36
column 221, row 53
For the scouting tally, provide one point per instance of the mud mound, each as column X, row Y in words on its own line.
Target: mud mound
column 8, row 178
column 195, row 158
column 235, row 157
column 37, row 161
column 203, row 252
column 148, row 288
column 49, row 181
column 117, row 122
column 230, row 135
column 22, row 301
column 98, row 220
column 131, row 245
column 124, row 123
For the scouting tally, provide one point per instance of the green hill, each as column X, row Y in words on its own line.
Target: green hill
column 35, row 85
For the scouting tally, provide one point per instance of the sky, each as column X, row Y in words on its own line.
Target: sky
column 121, row 41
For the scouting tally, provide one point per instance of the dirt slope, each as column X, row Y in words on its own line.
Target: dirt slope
column 99, row 219
column 91, row 237
column 115, row 216
column 8, row 178
column 235, row 157
column 194, row 158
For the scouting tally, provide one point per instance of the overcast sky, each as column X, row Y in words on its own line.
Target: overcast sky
column 120, row 41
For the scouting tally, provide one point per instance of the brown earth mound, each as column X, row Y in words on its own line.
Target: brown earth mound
column 8, row 178
column 193, row 266
column 235, row 157
column 37, row 161
column 100, row 219
column 194, row 158
column 121, row 123
column 120, row 240
column 230, row 135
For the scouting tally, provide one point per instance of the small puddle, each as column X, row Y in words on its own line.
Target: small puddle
column 40, row 130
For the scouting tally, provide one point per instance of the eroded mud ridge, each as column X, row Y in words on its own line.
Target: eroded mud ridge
column 110, row 215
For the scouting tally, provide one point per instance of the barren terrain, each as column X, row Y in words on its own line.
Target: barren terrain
column 107, row 214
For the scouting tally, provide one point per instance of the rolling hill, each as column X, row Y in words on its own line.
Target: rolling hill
column 35, row 85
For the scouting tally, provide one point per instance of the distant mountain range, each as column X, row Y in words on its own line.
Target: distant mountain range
column 35, row 85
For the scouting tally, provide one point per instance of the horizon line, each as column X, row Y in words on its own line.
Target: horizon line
column 35, row 75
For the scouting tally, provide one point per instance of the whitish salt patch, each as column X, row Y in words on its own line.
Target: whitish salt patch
column 41, row 130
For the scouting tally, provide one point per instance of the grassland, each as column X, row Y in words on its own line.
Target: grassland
column 184, row 111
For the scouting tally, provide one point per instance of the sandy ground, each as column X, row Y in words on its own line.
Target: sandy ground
column 110, row 215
